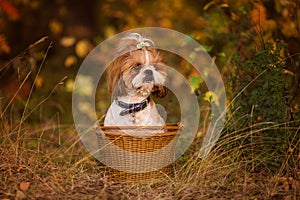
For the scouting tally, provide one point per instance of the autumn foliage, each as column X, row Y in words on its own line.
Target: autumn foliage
column 255, row 44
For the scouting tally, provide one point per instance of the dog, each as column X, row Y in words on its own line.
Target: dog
column 135, row 74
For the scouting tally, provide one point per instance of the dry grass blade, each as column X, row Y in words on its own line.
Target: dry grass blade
column 14, row 96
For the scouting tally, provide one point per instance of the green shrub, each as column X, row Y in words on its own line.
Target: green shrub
column 261, row 116
column 265, row 98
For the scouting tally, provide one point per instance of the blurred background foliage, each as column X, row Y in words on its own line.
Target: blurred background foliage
column 231, row 31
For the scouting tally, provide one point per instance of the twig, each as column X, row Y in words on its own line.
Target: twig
column 43, row 39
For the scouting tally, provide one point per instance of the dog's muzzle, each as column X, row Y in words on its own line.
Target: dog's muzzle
column 148, row 76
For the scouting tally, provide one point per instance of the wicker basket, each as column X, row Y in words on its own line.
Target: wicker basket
column 148, row 155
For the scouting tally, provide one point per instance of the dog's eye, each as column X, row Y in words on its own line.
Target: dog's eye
column 137, row 68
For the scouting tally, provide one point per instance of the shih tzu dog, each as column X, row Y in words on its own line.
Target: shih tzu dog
column 135, row 74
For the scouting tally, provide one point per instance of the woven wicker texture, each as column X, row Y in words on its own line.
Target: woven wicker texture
column 134, row 158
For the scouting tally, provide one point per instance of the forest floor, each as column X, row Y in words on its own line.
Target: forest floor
column 37, row 164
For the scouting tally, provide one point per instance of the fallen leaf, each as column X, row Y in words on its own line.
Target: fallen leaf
column 261, row 117
column 20, row 195
column 24, row 185
column 19, row 168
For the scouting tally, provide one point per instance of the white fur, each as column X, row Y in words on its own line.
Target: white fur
column 146, row 57
column 137, row 91
column 147, row 117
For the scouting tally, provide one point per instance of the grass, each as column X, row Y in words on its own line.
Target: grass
column 46, row 160
column 49, row 160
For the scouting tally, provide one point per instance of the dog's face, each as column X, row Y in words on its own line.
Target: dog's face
column 137, row 71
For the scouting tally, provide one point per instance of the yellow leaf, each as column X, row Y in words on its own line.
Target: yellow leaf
column 289, row 29
column 39, row 81
column 67, row 41
column 69, row 85
column 199, row 134
column 4, row 47
column 70, row 61
column 211, row 97
column 224, row 5
column 83, row 47
column 55, row 26
column 291, row 150
column 109, row 31
column 258, row 14
column 166, row 23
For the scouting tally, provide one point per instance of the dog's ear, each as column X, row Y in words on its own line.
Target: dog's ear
column 159, row 91
column 120, row 88
column 115, row 82
column 113, row 75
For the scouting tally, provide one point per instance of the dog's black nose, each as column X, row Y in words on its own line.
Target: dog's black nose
column 148, row 72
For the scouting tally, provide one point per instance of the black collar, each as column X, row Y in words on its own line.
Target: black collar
column 132, row 107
